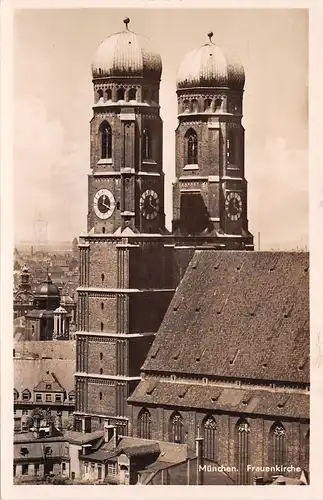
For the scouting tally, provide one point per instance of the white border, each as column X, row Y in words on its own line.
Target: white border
column 315, row 490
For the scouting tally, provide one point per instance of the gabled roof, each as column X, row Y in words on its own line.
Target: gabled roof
column 31, row 373
column 240, row 315
column 49, row 379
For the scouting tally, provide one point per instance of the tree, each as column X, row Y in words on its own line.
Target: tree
column 41, row 414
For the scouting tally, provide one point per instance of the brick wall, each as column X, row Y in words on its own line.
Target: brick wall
column 104, row 404
column 108, row 362
column 103, row 260
column 225, row 436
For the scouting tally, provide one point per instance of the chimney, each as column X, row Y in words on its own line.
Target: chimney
column 115, row 436
column 199, row 455
column 108, row 431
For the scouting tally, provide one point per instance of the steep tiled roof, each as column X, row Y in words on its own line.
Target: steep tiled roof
column 214, row 397
column 238, row 314
column 28, row 373
column 60, row 349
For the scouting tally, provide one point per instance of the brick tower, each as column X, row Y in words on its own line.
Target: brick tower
column 210, row 191
column 123, row 294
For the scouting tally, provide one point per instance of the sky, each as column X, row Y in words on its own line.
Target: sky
column 53, row 98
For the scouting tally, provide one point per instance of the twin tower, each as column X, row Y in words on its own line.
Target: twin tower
column 130, row 264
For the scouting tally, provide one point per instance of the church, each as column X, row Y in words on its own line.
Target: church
column 188, row 332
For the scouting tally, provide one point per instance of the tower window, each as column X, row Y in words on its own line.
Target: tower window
column 186, row 106
column 102, row 278
column 146, row 146
column 120, row 94
column 108, row 94
column 106, row 140
column 102, row 306
column 102, row 326
column 231, row 147
column 101, row 371
column 132, row 94
column 100, row 395
column 207, row 104
column 100, row 94
column 191, row 147
column 103, row 230
column 101, row 356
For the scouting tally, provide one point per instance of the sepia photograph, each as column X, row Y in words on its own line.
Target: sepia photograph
column 161, row 291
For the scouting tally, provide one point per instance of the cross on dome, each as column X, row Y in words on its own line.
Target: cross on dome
column 210, row 35
column 126, row 21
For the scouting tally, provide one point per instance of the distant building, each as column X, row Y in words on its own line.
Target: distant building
column 43, row 379
column 47, row 320
column 23, row 300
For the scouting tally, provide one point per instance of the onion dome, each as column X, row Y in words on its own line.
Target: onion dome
column 47, row 289
column 126, row 54
column 210, row 66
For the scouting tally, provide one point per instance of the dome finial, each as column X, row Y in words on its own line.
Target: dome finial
column 126, row 21
column 210, row 34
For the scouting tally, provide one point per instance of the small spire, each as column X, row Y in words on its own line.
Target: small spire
column 210, row 34
column 126, row 21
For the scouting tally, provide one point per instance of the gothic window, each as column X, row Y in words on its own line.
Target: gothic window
column 108, row 94
column 277, row 445
column 242, row 432
column 121, row 94
column 186, row 106
column 191, row 147
column 146, row 144
column 207, row 104
column 132, row 94
column 209, row 435
column 144, row 424
column 176, row 430
column 100, row 94
column 194, row 106
column 106, row 140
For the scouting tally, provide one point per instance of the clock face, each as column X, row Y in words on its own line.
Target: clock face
column 233, row 206
column 149, row 204
column 104, row 203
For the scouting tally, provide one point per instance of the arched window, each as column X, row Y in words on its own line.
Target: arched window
column 100, row 396
column 207, row 104
column 277, row 445
column 242, row 432
column 108, row 94
column 132, row 94
column 186, row 106
column 120, row 94
column 146, row 144
column 102, row 278
column 106, row 140
column 209, row 435
column 144, row 424
column 191, row 147
column 195, row 106
column 176, row 430
column 100, row 94
column 101, row 356
column 101, row 326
